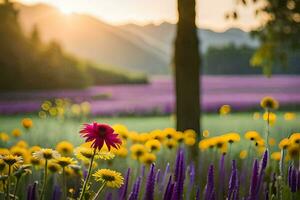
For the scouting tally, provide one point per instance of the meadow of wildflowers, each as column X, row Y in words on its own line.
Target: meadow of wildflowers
column 132, row 99
column 102, row 161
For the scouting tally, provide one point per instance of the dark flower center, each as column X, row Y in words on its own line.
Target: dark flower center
column 102, row 131
column 108, row 177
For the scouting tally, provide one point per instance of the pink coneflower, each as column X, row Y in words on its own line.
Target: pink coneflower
column 100, row 133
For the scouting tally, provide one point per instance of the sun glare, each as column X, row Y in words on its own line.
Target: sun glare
column 66, row 10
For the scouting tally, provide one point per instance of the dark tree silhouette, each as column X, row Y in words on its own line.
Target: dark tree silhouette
column 187, row 63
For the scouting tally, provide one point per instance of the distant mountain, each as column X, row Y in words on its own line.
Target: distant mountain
column 146, row 49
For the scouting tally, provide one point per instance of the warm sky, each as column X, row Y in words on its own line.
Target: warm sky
column 210, row 13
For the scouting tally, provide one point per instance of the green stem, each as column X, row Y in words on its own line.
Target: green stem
column 8, row 183
column 16, row 187
column 64, row 183
column 268, row 128
column 45, row 180
column 87, row 177
column 99, row 191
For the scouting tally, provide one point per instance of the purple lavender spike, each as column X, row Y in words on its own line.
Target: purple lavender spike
column 209, row 190
column 56, row 193
column 177, row 165
column 178, row 191
column 263, row 166
column 298, row 181
column 166, row 172
column 233, row 180
column 290, row 175
column 168, row 188
column 29, row 192
column 198, row 194
column 123, row 189
column 236, row 193
column 294, row 180
column 254, row 180
column 143, row 171
column 109, row 196
column 158, row 176
column 135, row 190
column 149, row 191
column 222, row 176
column 192, row 180
column 85, row 172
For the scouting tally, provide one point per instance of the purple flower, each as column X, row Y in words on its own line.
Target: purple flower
column 169, row 190
column 123, row 189
column 135, row 190
column 157, row 176
column 109, row 196
column 209, row 190
column 149, row 190
column 31, row 191
column 233, row 180
column 290, row 175
column 221, row 175
column 254, row 180
column 178, row 189
column 56, row 193
column 294, row 180
column 167, row 170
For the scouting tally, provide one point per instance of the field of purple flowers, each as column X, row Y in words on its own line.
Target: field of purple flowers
column 240, row 92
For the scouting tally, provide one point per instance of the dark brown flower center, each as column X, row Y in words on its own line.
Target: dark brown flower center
column 102, row 131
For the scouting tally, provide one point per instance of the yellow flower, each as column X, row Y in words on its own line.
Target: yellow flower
column 34, row 161
column 157, row 135
column 111, row 178
column 272, row 142
column 12, row 160
column 225, row 109
column 122, row 152
column 22, row 144
column 148, row 158
column 189, row 141
column 85, row 107
column 295, row 138
column 190, row 133
column 260, row 143
column 85, row 152
column 46, row 105
column 153, row 145
column 272, row 117
column 65, row 161
column 16, row 132
column 276, row 156
column 34, row 149
column 4, row 137
column 4, row 151
column 76, row 109
column 121, row 130
column 284, row 143
column 27, row 123
column 256, row 115
column 65, row 148
column 289, row 116
column 232, row 137
column 46, row 154
column 269, row 103
column 42, row 114
column 138, row 150
column 53, row 166
column 219, row 141
column 205, row 133
column 170, row 143
column 204, row 144
column 252, row 135
column 179, row 136
column 243, row 154
column 21, row 152
column 169, row 133
column 2, row 165
column 293, row 151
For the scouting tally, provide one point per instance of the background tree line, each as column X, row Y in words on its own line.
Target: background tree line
column 27, row 63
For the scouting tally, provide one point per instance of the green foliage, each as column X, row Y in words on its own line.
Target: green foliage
column 27, row 63
column 232, row 59
column 279, row 32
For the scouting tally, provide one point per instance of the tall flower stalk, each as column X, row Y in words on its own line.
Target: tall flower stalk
column 88, row 175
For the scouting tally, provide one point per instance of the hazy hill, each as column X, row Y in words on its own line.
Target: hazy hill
column 145, row 49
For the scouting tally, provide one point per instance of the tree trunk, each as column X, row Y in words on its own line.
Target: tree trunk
column 187, row 68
